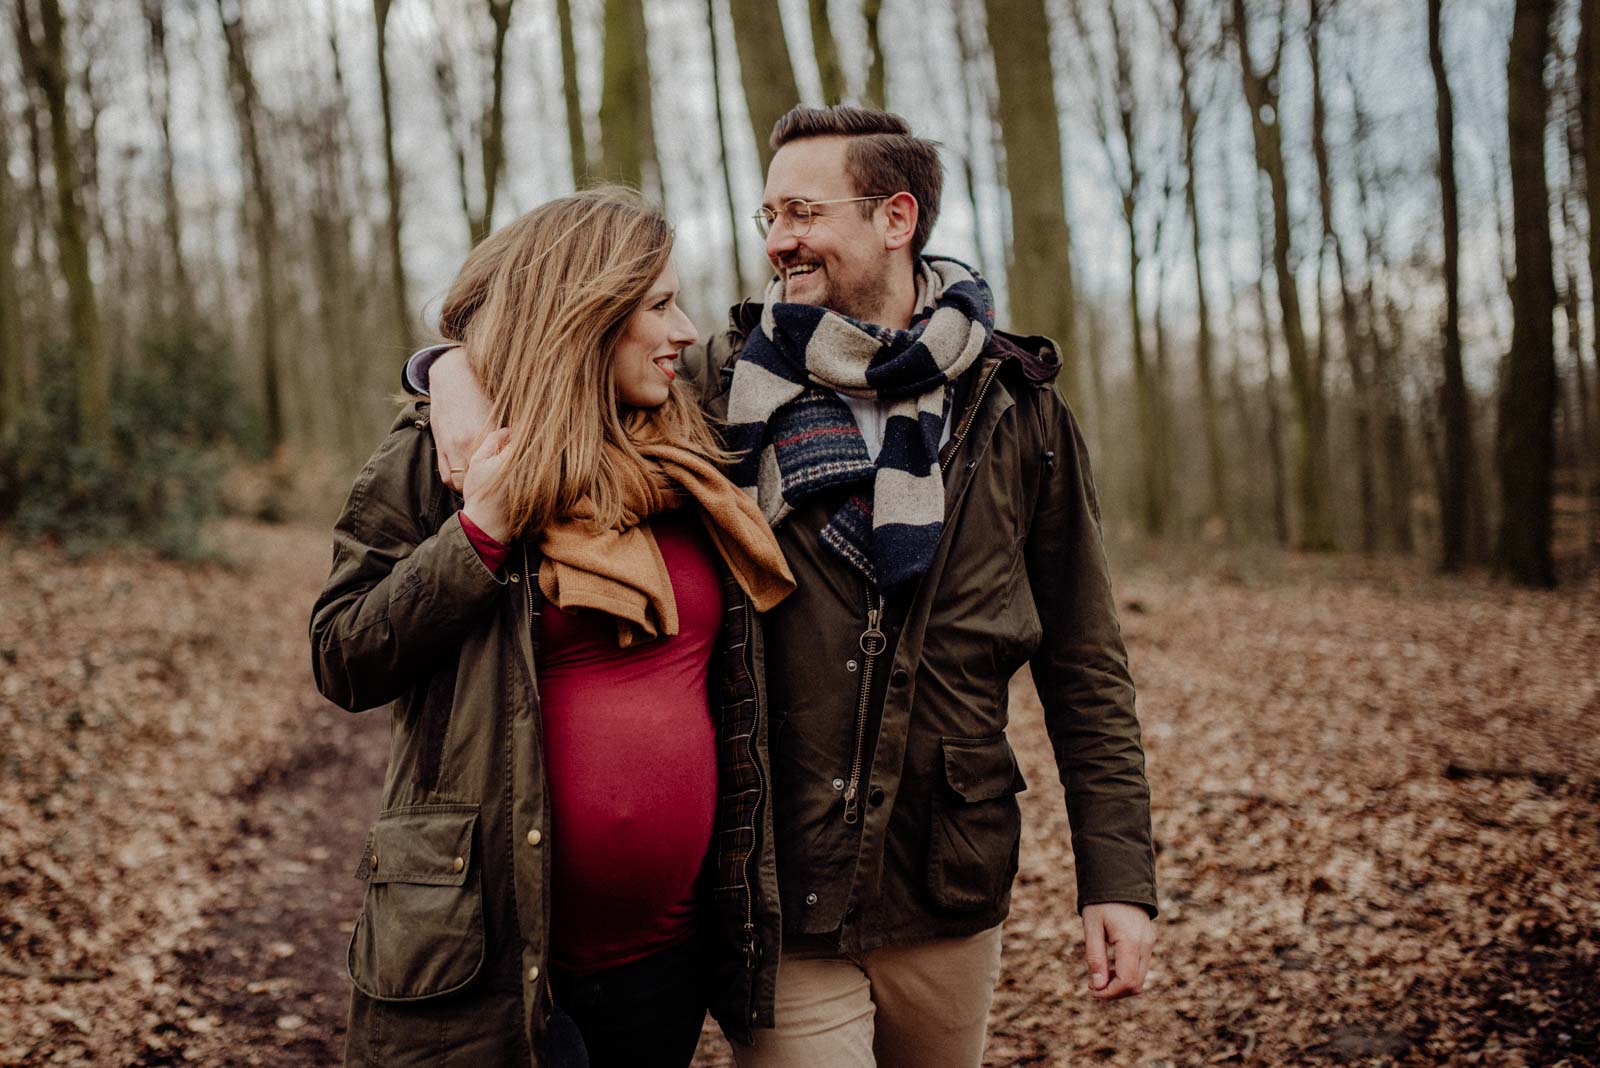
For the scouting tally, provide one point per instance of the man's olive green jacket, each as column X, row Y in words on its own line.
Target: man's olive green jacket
column 894, row 784
column 448, row 957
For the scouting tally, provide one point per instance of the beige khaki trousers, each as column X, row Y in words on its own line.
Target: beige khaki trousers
column 920, row 1006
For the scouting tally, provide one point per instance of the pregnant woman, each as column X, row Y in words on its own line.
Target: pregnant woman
column 574, row 840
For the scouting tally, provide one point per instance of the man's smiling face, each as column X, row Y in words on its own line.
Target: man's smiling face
column 841, row 262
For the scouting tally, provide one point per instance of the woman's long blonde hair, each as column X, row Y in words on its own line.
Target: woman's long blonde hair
column 540, row 306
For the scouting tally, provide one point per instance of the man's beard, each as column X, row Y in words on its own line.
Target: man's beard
column 862, row 301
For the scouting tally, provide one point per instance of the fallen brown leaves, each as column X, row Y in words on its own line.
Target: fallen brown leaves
column 1331, row 891
column 138, row 702
column 1377, row 800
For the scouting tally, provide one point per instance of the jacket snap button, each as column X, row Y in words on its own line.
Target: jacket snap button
column 850, row 665
column 899, row 677
column 875, row 797
column 458, row 864
column 838, row 784
column 811, row 899
column 533, row 973
column 513, row 577
column 534, row 837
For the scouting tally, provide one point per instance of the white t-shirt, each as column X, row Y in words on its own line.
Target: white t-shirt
column 871, row 416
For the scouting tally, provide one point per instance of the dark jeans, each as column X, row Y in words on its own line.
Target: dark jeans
column 646, row 1014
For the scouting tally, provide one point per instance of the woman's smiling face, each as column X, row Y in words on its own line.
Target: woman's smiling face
column 656, row 332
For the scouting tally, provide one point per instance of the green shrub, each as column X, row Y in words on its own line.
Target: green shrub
column 176, row 417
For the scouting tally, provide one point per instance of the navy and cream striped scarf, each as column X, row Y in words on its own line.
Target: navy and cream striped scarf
column 796, row 438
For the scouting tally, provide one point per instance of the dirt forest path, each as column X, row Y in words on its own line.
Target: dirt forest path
column 1377, row 797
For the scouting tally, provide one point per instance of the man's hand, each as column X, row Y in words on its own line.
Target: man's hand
column 1117, row 940
column 459, row 417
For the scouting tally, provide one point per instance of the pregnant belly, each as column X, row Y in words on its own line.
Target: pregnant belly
column 632, row 802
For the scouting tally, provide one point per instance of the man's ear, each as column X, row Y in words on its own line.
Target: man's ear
column 900, row 213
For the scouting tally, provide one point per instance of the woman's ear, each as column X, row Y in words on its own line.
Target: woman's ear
column 900, row 214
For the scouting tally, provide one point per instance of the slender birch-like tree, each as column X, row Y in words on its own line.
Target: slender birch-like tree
column 1306, row 373
column 393, row 182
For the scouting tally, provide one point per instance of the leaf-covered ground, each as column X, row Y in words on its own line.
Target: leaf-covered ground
column 1377, row 800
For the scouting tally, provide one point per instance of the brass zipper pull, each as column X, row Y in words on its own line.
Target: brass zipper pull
column 872, row 641
column 852, row 804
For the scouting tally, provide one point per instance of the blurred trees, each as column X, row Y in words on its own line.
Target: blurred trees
column 765, row 69
column 1360, row 331
column 45, row 57
column 391, row 175
column 1040, row 269
column 1525, row 441
column 1455, row 493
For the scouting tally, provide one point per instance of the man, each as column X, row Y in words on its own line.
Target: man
column 933, row 497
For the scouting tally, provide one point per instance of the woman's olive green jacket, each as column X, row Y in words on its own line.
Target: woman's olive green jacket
column 448, row 957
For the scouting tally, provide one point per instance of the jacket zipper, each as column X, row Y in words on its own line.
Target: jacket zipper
column 983, row 391
column 750, row 943
column 873, row 641
column 872, row 644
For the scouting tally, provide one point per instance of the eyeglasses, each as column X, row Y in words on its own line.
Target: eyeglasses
column 798, row 215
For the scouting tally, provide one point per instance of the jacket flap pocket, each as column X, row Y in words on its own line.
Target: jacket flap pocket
column 420, row 933
column 981, row 769
column 426, row 844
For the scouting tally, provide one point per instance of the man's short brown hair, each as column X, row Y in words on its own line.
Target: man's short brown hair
column 883, row 156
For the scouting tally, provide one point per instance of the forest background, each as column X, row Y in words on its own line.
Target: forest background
column 1321, row 271
column 1323, row 274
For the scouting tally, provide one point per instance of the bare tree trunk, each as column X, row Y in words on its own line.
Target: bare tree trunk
column 1114, row 92
column 1361, row 379
column 1392, row 437
column 1455, row 406
column 1525, row 438
column 577, row 146
column 1147, row 379
column 971, row 84
column 872, row 12
column 1578, row 418
column 38, row 312
column 494, row 125
column 1589, row 125
column 92, row 372
column 1387, row 374
column 827, row 53
column 261, row 211
column 1161, row 394
column 446, row 88
column 12, row 397
column 1239, row 502
column 765, row 69
column 1179, row 33
column 1279, row 468
column 160, row 81
column 625, row 97
column 1571, row 256
column 1305, row 372
column 392, row 182
column 1094, row 320
column 734, row 224
column 1040, row 271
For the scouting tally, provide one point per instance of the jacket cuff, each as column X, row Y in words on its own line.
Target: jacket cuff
column 414, row 376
